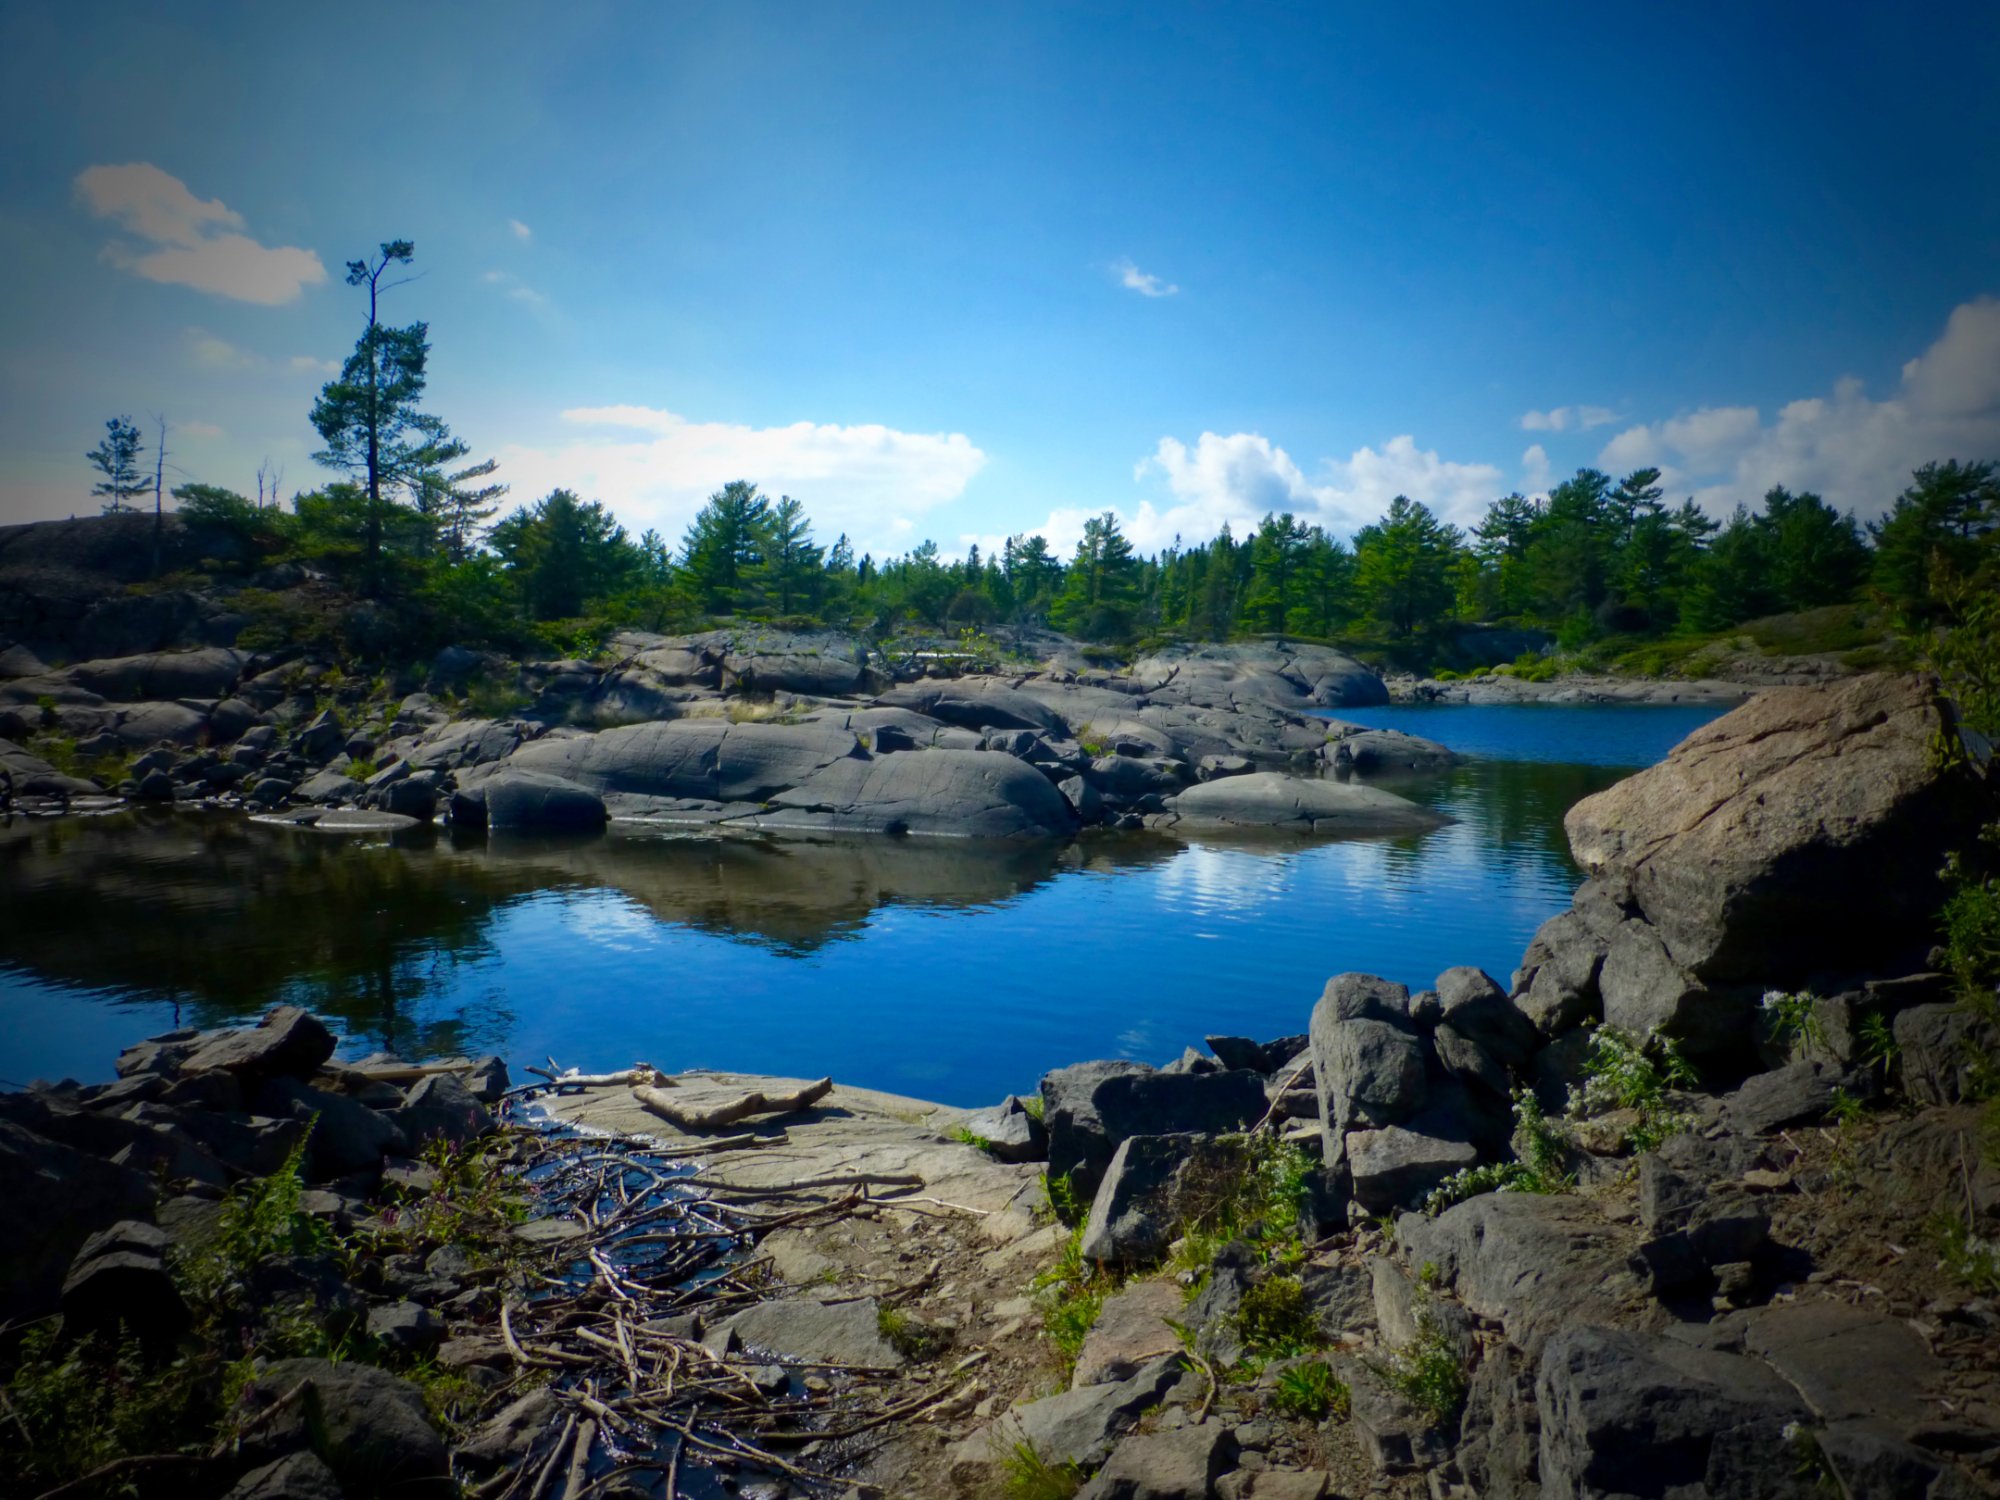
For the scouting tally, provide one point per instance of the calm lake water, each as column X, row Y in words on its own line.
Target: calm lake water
column 951, row 971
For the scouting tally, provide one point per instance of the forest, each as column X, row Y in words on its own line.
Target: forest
column 416, row 527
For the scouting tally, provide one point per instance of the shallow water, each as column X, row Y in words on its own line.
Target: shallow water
column 949, row 970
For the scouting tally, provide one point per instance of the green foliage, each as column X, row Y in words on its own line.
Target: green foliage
column 1308, row 1392
column 562, row 553
column 1256, row 1190
column 1026, row 1475
column 117, row 460
column 966, row 1136
column 1621, row 1073
column 1541, row 1154
column 1276, row 1318
column 71, row 1406
column 1967, row 1258
column 1877, row 1038
column 1032, row 1103
column 1794, row 1016
column 908, row 1336
column 1072, row 1291
column 1427, row 1371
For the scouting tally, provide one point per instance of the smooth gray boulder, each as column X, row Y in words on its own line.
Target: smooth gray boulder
column 527, row 800
column 1077, row 1427
column 372, row 1427
column 1010, row 1132
column 288, row 1042
column 1283, row 674
column 1177, row 1465
column 976, row 703
column 208, row 672
column 1293, row 804
column 708, row 760
column 1368, row 1061
column 951, row 793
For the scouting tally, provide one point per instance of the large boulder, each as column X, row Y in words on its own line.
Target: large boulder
column 1145, row 1195
column 369, row 1426
column 1800, row 834
column 976, row 703
column 1295, row 804
column 1632, row 1414
column 1283, row 674
column 206, row 673
column 1368, row 1060
column 58, row 1196
column 1092, row 1108
column 706, row 760
column 288, row 1042
column 528, row 800
column 961, row 793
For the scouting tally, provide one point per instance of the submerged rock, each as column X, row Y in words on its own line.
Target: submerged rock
column 1292, row 804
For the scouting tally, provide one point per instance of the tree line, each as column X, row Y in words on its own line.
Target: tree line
column 412, row 521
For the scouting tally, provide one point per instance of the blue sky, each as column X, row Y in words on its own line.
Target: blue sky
column 959, row 271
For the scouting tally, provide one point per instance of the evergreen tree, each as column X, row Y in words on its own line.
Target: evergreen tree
column 1937, row 528
column 368, row 416
column 1100, row 586
column 1816, row 553
column 1277, row 552
column 564, row 552
column 117, row 459
column 1403, row 566
column 721, row 552
column 792, row 563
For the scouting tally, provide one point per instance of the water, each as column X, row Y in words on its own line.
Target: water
column 948, row 970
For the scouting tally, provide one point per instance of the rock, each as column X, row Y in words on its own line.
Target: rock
column 1082, row 796
column 1182, row 1465
column 438, row 1105
column 1533, row 1263
column 321, row 739
column 1798, row 1094
column 1799, row 834
column 1499, row 1432
column 1215, row 1313
column 977, row 704
column 1239, row 1052
column 1394, row 1436
column 1281, row 673
column 1372, row 751
column 1140, row 1207
column 347, row 1137
column 847, row 1333
column 1010, row 1132
column 504, row 1439
column 959, row 793
column 1090, row 1108
column 1270, row 799
column 1938, row 1046
column 156, row 786
column 1477, row 1008
column 372, row 1427
column 1132, row 1329
column 404, row 1327
column 1627, row 1413
column 1274, row 1484
column 296, row 1476
column 1394, row 1167
column 1368, row 1064
column 411, row 797
column 707, row 760
column 1850, row 1363
column 119, row 1280
column 487, row 1080
column 65, row 1195
column 514, row 798
column 287, row 1042
column 1645, row 991
column 1078, row 1427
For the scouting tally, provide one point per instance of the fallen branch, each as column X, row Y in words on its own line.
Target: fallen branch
column 694, row 1117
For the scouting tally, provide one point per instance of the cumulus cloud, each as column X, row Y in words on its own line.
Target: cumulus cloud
column 519, row 230
column 1241, row 477
column 1535, row 470
column 1143, row 282
column 1563, row 418
column 656, row 468
column 171, row 236
column 309, row 364
column 1854, row 450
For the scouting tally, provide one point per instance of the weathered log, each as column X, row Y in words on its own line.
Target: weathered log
column 742, row 1107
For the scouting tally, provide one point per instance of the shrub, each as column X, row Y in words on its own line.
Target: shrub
column 1426, row 1371
column 1277, row 1318
column 1309, row 1392
column 1621, row 1073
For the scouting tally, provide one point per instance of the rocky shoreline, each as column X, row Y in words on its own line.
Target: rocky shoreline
column 1574, row 688
column 1670, row 1211
column 751, row 731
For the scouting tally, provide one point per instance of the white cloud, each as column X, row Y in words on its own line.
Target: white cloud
column 1855, row 451
column 1562, row 418
column 513, row 288
column 656, row 468
column 1143, row 282
column 1240, row 478
column 205, row 349
column 198, row 429
column 181, row 240
column 306, row 362
column 519, row 230
column 1535, row 470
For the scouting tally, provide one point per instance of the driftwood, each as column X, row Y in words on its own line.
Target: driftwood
column 742, row 1107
